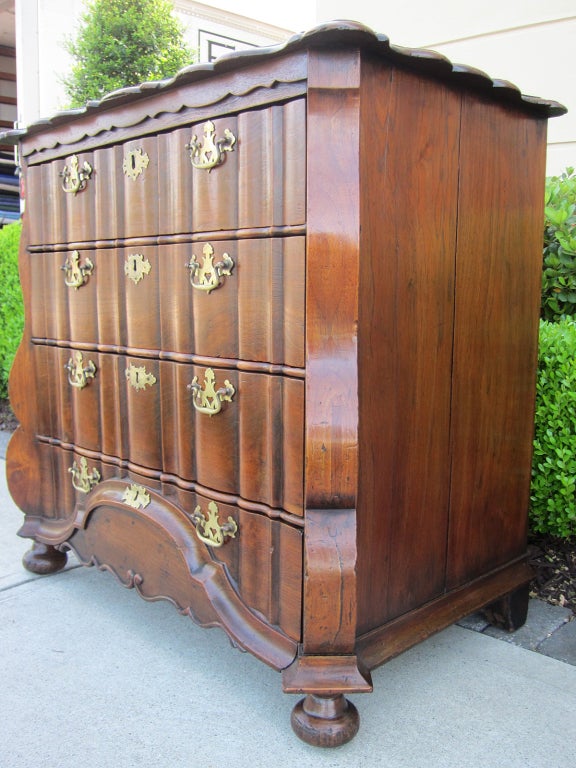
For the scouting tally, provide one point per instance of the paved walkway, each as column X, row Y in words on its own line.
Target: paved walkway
column 93, row 675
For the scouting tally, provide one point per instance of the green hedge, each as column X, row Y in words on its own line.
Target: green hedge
column 559, row 255
column 553, row 491
column 11, row 307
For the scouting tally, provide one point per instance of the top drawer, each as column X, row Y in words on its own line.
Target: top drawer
column 149, row 186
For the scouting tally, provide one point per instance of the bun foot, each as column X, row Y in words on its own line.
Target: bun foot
column 325, row 721
column 43, row 559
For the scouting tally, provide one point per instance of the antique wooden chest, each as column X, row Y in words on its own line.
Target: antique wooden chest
column 279, row 357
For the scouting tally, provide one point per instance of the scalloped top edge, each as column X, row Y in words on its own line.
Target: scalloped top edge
column 331, row 34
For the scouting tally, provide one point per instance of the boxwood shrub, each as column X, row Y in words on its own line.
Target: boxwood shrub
column 553, row 490
column 11, row 307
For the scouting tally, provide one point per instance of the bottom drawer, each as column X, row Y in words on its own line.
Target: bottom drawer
column 219, row 563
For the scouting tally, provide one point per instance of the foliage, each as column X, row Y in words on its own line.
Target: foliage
column 553, row 491
column 11, row 307
column 123, row 43
column 559, row 265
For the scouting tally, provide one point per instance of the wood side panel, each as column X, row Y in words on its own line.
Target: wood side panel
column 498, row 275
column 410, row 184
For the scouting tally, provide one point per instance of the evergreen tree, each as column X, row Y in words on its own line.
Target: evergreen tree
column 122, row 43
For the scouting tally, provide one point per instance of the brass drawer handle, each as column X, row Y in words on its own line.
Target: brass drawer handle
column 75, row 178
column 209, row 400
column 78, row 374
column 75, row 274
column 83, row 480
column 209, row 530
column 208, row 276
column 210, row 152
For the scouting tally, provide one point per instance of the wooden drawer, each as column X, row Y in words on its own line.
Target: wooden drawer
column 143, row 297
column 133, row 533
column 252, row 448
column 260, row 183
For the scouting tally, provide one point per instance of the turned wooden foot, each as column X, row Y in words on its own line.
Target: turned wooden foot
column 325, row 721
column 510, row 611
column 43, row 559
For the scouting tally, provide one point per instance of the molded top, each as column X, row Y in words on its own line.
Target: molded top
column 334, row 34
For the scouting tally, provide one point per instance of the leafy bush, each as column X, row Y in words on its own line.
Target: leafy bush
column 122, row 43
column 11, row 307
column 559, row 265
column 553, row 492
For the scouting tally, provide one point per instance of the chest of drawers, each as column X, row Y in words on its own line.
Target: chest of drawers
column 279, row 356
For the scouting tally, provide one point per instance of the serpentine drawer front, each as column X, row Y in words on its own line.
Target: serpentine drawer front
column 270, row 353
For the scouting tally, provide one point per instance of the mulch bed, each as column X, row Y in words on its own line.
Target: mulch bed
column 8, row 421
column 553, row 560
column 554, row 564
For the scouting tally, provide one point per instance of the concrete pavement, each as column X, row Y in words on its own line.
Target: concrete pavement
column 93, row 675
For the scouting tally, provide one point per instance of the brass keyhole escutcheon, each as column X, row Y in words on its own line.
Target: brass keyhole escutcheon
column 135, row 163
column 139, row 378
column 136, row 267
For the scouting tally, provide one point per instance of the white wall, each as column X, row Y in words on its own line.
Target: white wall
column 528, row 42
column 43, row 25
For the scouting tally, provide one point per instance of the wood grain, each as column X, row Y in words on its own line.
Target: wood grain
column 410, row 178
column 496, row 336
